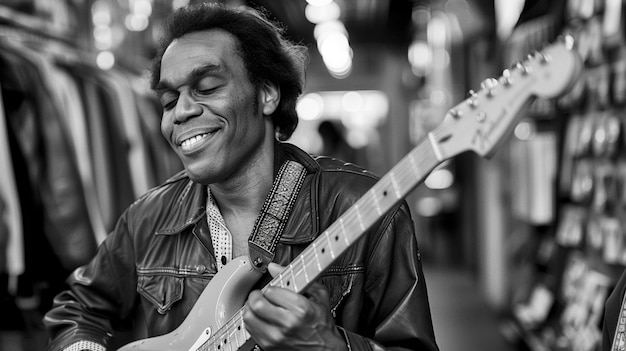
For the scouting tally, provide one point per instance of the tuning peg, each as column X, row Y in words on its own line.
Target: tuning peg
column 523, row 68
column 490, row 86
column 538, row 55
column 506, row 77
column 568, row 40
column 456, row 114
column 472, row 101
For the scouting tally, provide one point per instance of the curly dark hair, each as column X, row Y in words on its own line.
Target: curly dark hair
column 266, row 52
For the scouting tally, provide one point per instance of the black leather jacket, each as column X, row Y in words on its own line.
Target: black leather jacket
column 157, row 261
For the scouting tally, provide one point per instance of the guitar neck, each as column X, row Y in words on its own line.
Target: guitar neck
column 477, row 124
column 351, row 225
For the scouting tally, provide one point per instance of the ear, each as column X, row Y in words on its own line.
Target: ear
column 270, row 97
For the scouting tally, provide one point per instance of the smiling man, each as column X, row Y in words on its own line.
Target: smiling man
column 228, row 82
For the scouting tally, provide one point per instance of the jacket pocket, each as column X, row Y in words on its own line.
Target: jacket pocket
column 162, row 290
column 339, row 281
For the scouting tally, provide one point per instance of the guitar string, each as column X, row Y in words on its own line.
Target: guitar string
column 354, row 216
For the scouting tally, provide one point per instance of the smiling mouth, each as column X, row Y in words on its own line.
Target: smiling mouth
column 189, row 144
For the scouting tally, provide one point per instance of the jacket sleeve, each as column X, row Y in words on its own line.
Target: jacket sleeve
column 92, row 307
column 399, row 316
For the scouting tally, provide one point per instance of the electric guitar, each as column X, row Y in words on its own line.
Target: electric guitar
column 477, row 124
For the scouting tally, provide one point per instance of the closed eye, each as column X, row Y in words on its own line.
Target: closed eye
column 168, row 101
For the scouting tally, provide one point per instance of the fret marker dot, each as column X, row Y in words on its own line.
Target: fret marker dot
column 336, row 237
column 385, row 193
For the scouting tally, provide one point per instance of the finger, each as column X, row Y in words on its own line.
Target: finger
column 267, row 310
column 286, row 299
column 318, row 293
column 275, row 269
column 262, row 332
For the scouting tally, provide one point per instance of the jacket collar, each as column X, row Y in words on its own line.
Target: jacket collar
column 190, row 203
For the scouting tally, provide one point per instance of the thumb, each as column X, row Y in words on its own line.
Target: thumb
column 275, row 269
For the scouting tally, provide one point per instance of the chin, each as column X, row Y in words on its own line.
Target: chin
column 197, row 176
column 202, row 176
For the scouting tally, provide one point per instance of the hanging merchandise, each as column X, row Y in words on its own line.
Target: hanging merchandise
column 590, row 191
column 80, row 143
column 12, row 254
column 533, row 177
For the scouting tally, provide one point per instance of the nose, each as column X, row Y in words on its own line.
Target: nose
column 186, row 107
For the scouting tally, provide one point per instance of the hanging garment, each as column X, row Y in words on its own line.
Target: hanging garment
column 11, row 246
column 43, row 273
column 100, row 151
column 162, row 160
column 43, row 143
column 74, row 117
column 127, row 115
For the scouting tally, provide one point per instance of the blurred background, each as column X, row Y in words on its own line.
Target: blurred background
column 520, row 250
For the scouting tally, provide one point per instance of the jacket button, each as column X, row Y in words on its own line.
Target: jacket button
column 200, row 269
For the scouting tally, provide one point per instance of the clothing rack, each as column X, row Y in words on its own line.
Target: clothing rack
column 20, row 25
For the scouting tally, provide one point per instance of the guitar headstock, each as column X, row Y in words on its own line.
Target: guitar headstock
column 481, row 121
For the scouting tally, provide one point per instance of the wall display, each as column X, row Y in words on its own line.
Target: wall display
column 590, row 202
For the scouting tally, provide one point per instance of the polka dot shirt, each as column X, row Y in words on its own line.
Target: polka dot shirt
column 220, row 235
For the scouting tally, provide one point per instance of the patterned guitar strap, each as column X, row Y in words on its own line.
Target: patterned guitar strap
column 271, row 222
column 619, row 340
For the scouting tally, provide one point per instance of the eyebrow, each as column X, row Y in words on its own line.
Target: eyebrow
column 195, row 75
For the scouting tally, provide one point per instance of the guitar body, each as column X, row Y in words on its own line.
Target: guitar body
column 478, row 124
column 220, row 300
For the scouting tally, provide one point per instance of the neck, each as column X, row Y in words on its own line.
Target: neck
column 246, row 192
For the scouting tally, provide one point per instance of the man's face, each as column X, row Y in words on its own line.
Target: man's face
column 211, row 115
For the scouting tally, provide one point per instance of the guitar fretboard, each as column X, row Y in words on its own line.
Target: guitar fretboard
column 338, row 237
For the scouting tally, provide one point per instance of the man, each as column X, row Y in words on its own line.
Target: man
column 228, row 82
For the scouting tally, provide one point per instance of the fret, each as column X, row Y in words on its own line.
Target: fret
column 453, row 136
column 358, row 214
column 282, row 280
column 394, row 183
column 306, row 275
column 293, row 278
column 330, row 244
column 301, row 273
column 244, row 331
column 343, row 230
column 369, row 208
column 226, row 343
column 367, row 211
column 416, row 171
column 232, row 339
column 350, row 222
column 377, row 204
column 223, row 336
column 317, row 258
column 402, row 181
column 236, row 338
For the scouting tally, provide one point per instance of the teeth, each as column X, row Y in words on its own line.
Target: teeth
column 189, row 143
